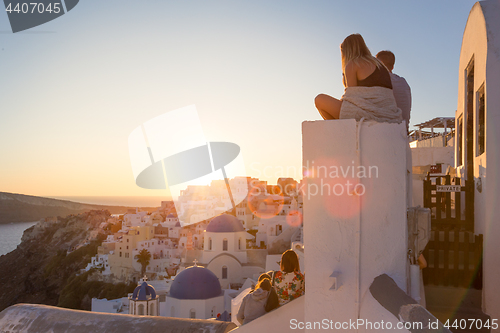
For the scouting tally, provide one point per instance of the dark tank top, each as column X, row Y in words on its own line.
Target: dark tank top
column 379, row 78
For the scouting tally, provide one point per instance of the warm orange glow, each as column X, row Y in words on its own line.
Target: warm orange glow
column 342, row 199
column 294, row 218
column 264, row 206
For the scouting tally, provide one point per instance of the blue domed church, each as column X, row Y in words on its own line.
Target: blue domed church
column 195, row 293
column 144, row 301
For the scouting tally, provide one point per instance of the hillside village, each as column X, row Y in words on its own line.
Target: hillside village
column 236, row 249
column 362, row 249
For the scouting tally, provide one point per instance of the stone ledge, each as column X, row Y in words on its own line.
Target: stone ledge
column 44, row 318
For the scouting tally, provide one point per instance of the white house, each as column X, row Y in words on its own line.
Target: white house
column 477, row 151
column 99, row 261
column 133, row 220
column 163, row 255
column 170, row 221
column 119, row 305
column 174, row 232
column 225, row 252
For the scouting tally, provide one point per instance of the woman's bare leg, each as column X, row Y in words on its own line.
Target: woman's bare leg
column 328, row 106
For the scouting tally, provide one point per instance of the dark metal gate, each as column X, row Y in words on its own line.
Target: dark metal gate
column 451, row 202
column 454, row 253
column 454, row 258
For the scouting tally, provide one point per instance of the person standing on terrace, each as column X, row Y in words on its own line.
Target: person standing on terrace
column 368, row 92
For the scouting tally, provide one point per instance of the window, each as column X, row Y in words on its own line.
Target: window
column 210, row 243
column 460, row 144
column 140, row 310
column 127, row 240
column 192, row 313
column 481, row 124
column 469, row 121
column 152, row 309
column 120, row 254
column 224, row 272
column 127, row 247
column 212, row 313
column 126, row 254
column 224, row 245
column 239, row 244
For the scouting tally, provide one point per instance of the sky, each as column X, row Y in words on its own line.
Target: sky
column 73, row 89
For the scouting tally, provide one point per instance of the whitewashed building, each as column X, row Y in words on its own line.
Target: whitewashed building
column 477, row 151
column 133, row 220
column 99, row 261
column 225, row 252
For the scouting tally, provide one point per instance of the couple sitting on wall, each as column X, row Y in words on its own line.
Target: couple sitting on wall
column 275, row 288
column 368, row 87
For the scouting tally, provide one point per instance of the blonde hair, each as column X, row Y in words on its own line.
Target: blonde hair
column 354, row 49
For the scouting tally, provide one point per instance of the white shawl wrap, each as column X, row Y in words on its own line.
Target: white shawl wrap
column 372, row 103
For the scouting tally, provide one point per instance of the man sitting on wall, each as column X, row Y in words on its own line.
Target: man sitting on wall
column 400, row 88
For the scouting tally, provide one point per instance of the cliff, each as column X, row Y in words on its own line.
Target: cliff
column 28, row 208
column 42, row 270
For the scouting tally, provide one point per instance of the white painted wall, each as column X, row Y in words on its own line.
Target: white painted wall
column 432, row 155
column 335, row 221
column 232, row 241
column 283, row 319
column 481, row 40
column 109, row 306
column 233, row 270
column 268, row 229
column 99, row 261
column 202, row 307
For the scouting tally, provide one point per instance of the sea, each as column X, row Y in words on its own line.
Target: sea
column 129, row 201
column 11, row 233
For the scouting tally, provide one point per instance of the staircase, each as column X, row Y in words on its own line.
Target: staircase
column 298, row 236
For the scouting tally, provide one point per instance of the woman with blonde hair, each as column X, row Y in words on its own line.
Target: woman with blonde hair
column 361, row 69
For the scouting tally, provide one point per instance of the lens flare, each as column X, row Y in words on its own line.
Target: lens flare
column 341, row 196
column 264, row 206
